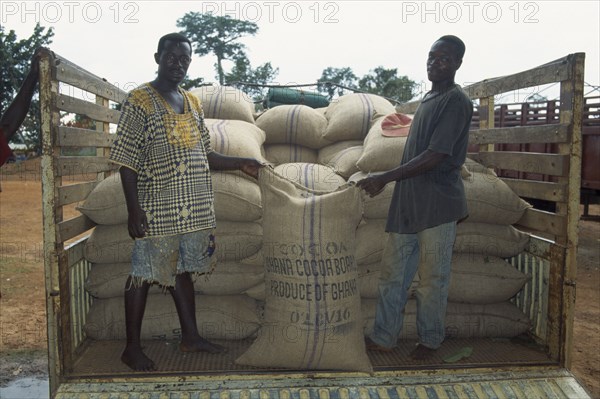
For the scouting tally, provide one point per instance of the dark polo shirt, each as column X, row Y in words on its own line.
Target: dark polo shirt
column 441, row 124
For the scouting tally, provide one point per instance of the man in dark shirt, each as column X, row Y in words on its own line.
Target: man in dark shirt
column 428, row 201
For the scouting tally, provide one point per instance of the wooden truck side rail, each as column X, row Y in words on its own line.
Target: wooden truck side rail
column 68, row 179
column 65, row 266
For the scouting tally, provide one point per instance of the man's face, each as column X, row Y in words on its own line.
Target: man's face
column 442, row 62
column 173, row 61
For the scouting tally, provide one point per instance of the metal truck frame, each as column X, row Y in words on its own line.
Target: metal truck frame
column 548, row 299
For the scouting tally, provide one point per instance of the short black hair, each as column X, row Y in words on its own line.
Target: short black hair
column 458, row 44
column 174, row 37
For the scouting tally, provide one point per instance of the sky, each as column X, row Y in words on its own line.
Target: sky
column 116, row 40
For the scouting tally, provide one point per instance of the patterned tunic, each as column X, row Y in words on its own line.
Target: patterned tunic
column 169, row 153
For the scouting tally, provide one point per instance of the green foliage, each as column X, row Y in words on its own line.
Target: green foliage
column 189, row 84
column 15, row 61
column 242, row 71
column 380, row 81
column 217, row 35
column 341, row 76
column 387, row 83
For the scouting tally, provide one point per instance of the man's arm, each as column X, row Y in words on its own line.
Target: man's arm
column 419, row 165
column 16, row 112
column 136, row 222
column 249, row 166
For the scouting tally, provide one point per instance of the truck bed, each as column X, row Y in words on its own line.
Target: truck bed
column 102, row 358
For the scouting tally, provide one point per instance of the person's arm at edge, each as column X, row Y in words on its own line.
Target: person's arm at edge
column 16, row 112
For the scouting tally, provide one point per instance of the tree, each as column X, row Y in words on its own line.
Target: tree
column 387, row 83
column 380, row 81
column 217, row 35
column 242, row 71
column 15, row 62
column 341, row 76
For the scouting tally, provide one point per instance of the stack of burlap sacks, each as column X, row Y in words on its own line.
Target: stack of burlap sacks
column 320, row 149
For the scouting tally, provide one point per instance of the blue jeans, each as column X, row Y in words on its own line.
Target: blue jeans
column 429, row 252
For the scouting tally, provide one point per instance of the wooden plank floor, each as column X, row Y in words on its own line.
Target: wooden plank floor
column 102, row 358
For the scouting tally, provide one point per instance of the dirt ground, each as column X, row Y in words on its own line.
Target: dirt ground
column 22, row 301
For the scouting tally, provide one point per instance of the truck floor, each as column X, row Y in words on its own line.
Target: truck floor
column 102, row 358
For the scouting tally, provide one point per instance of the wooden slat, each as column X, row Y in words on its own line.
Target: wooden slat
column 69, row 73
column 545, row 164
column 543, row 221
column 74, row 227
column 538, row 189
column 91, row 110
column 521, row 134
column 78, row 137
column 74, row 193
column 86, row 167
column 551, row 72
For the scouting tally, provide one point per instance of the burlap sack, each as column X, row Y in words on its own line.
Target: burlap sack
column 350, row 116
column 237, row 198
column 498, row 320
column 490, row 200
column 344, row 160
column 370, row 240
column 109, row 244
column 237, row 240
column 228, row 278
column 490, row 239
column 376, row 207
column 473, row 279
column 311, row 175
column 474, row 166
column 483, row 279
column 278, row 154
column 257, row 292
column 294, row 124
column 106, row 203
column 109, row 280
column 225, row 102
column 380, row 153
column 218, row 317
column 236, row 138
column 312, row 311
column 326, row 154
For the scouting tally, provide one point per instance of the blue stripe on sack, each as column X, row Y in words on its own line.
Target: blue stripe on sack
column 216, row 109
column 292, row 124
column 222, row 136
column 308, row 313
column 311, row 244
column 368, row 107
column 323, row 280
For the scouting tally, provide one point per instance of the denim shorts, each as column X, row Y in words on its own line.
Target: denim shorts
column 161, row 259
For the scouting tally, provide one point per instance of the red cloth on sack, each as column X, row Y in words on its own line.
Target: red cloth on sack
column 396, row 125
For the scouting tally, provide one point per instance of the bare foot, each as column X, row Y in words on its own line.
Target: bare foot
column 201, row 345
column 134, row 357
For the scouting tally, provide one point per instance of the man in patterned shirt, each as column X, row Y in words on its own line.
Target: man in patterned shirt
column 164, row 151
